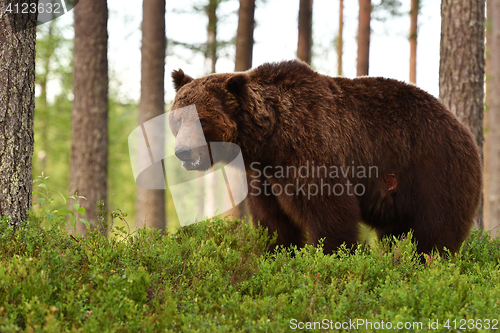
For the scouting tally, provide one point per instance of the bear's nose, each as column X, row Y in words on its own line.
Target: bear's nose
column 183, row 153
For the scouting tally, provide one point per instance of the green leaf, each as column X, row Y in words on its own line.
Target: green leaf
column 39, row 193
column 62, row 196
column 42, row 185
column 121, row 230
column 84, row 221
column 41, row 201
column 76, row 206
column 65, row 211
column 36, row 187
column 81, row 210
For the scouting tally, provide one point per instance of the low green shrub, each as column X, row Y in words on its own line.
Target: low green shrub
column 216, row 276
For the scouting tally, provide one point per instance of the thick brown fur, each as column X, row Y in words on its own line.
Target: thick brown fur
column 286, row 114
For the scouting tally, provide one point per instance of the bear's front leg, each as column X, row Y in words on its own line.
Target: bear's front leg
column 265, row 208
column 332, row 215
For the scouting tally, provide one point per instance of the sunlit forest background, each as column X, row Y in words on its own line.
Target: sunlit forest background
column 53, row 122
column 188, row 29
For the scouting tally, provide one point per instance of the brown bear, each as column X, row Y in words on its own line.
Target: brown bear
column 323, row 154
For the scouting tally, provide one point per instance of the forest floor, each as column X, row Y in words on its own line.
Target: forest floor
column 217, row 277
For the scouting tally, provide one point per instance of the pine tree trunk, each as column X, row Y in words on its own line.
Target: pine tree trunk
column 209, row 184
column 365, row 9
column 304, row 44
column 413, row 40
column 461, row 68
column 486, row 121
column 151, row 203
column 494, row 120
column 211, row 54
column 340, row 41
column 17, row 107
column 244, row 36
column 89, row 142
column 243, row 62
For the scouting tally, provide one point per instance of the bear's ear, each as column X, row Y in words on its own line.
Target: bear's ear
column 180, row 79
column 236, row 85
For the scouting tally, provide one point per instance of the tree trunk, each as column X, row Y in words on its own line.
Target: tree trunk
column 494, row 119
column 461, row 68
column 340, row 41
column 486, row 121
column 211, row 10
column 151, row 203
column 209, row 186
column 244, row 36
column 89, row 142
column 243, row 62
column 413, row 40
column 17, row 107
column 305, row 31
column 365, row 9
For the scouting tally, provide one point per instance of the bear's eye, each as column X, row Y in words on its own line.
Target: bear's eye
column 203, row 122
column 179, row 123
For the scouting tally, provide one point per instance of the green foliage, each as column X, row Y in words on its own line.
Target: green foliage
column 385, row 9
column 121, row 185
column 203, row 8
column 52, row 124
column 216, row 277
column 56, row 217
column 77, row 209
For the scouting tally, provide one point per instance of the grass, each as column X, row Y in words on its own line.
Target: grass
column 216, row 277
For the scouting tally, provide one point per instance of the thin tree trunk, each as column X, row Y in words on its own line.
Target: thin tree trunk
column 17, row 107
column 340, row 41
column 211, row 10
column 304, row 44
column 486, row 121
column 243, row 62
column 209, row 184
column 461, row 68
column 494, row 120
column 413, row 40
column 244, row 36
column 151, row 203
column 89, row 142
column 365, row 9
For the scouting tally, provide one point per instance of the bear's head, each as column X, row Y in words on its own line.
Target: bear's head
column 223, row 102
